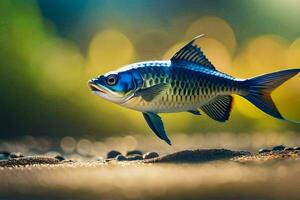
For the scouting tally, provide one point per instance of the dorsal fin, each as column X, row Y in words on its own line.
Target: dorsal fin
column 192, row 53
column 219, row 108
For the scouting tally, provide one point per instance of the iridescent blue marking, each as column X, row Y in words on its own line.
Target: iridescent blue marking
column 126, row 81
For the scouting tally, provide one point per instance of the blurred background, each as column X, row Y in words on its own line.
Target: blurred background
column 50, row 49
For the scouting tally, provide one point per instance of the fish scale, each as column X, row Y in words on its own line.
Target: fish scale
column 189, row 89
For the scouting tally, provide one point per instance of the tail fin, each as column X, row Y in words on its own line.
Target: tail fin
column 261, row 87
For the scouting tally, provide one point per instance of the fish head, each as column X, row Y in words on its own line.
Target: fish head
column 117, row 87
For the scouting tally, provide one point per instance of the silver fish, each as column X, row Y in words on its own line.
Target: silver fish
column 187, row 82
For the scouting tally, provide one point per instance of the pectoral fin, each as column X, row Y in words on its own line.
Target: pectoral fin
column 156, row 124
column 153, row 92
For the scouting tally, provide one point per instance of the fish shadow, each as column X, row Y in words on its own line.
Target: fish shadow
column 198, row 156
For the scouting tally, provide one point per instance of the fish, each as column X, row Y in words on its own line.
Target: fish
column 188, row 82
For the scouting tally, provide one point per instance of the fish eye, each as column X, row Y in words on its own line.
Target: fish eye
column 112, row 79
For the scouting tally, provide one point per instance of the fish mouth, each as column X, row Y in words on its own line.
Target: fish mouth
column 96, row 88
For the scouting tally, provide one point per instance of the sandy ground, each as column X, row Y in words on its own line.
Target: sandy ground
column 218, row 180
column 217, row 174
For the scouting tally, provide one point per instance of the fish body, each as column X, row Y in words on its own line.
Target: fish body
column 188, row 82
column 186, row 88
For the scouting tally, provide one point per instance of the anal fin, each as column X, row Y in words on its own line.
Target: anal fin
column 219, row 108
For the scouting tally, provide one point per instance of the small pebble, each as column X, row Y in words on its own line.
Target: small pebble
column 278, row 148
column 112, row 154
column 150, row 155
column 121, row 158
column 288, row 149
column 264, row 151
column 297, row 148
column 134, row 152
column 59, row 157
column 4, row 155
column 134, row 157
column 15, row 155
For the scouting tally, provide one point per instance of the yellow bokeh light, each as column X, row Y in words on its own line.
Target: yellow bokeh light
column 263, row 55
column 150, row 43
column 177, row 122
column 293, row 61
column 240, row 66
column 213, row 27
column 173, row 49
column 110, row 50
column 247, row 109
column 293, row 58
column 62, row 64
column 216, row 53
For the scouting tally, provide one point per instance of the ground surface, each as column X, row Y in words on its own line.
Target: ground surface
column 206, row 172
